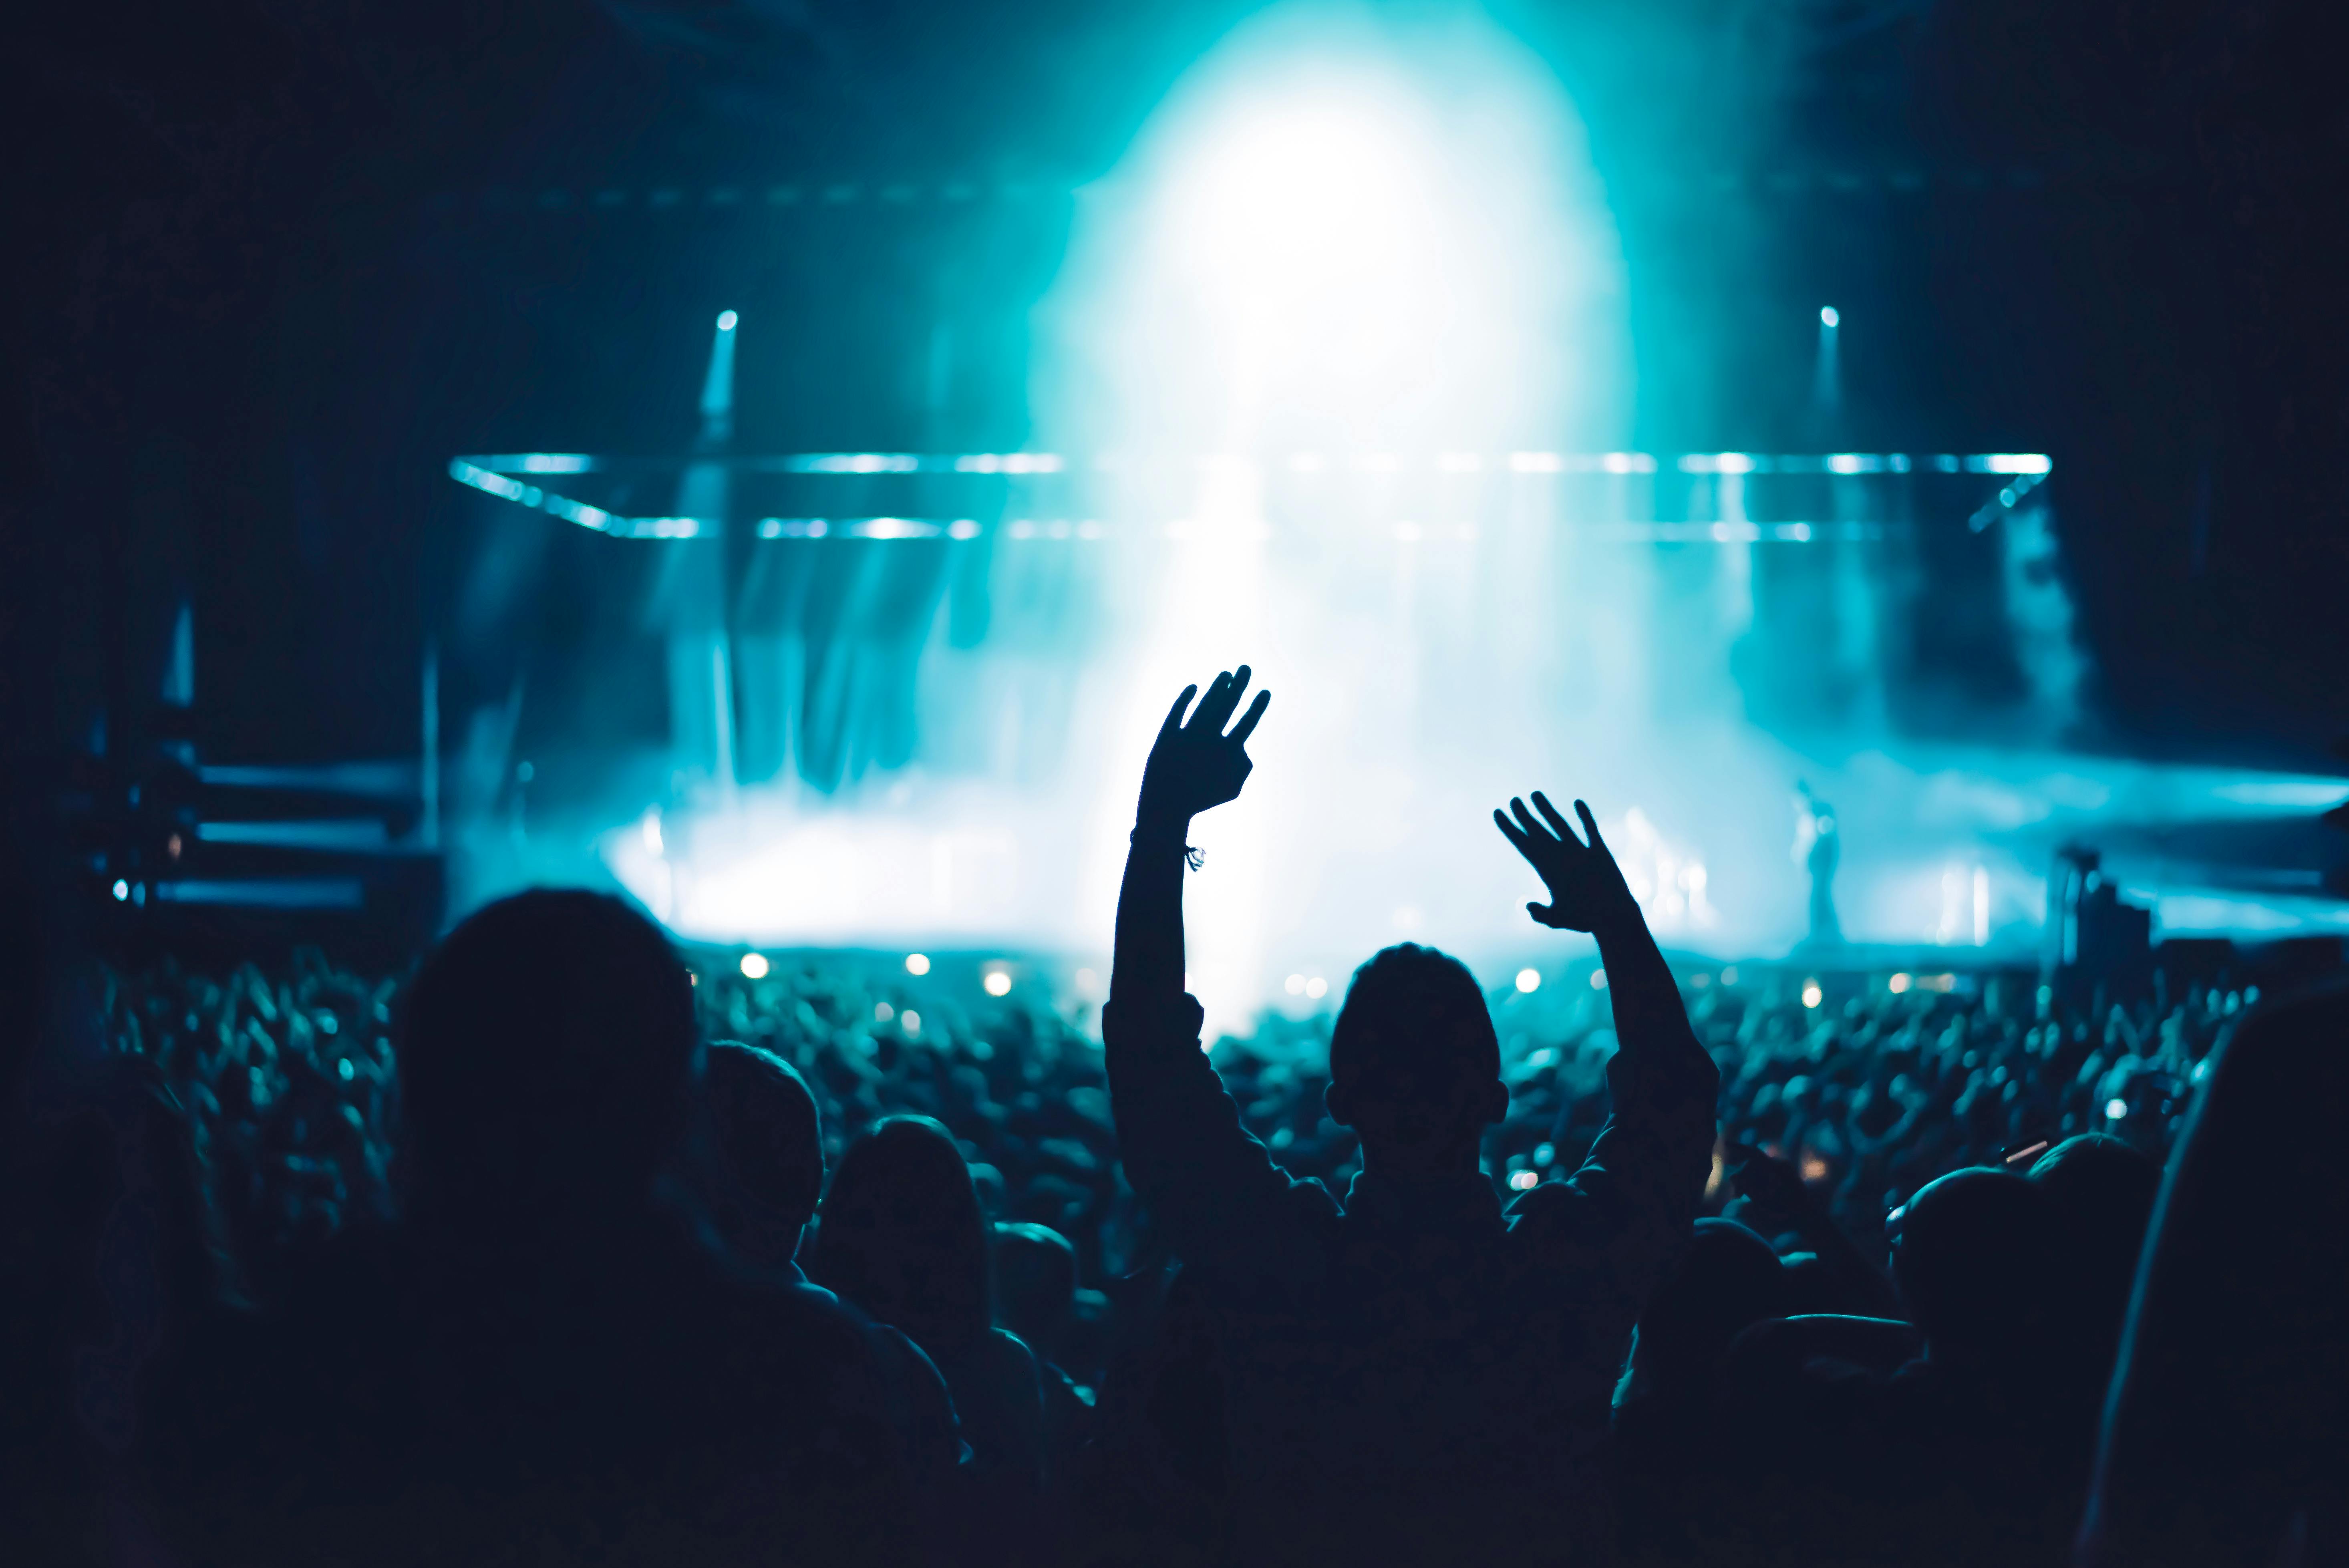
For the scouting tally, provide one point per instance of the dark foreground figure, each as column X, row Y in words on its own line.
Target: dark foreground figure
column 1413, row 1374
column 543, row 1363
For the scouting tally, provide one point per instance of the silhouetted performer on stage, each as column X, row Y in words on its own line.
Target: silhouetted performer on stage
column 1818, row 846
column 1416, row 1375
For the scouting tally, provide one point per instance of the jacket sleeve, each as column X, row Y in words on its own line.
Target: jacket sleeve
column 1208, row 1184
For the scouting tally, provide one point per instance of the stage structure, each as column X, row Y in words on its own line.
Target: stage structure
column 898, row 684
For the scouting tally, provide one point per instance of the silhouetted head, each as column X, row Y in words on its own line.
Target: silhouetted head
column 1727, row 1280
column 2102, row 1189
column 902, row 1235
column 1035, row 1280
column 1415, row 1065
column 1978, row 1261
column 765, row 1153
column 546, row 1048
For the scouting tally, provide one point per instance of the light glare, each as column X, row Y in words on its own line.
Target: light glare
column 918, row 964
column 754, row 965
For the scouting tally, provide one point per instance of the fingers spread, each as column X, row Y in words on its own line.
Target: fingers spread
column 1247, row 726
column 1216, row 707
column 1509, row 831
column 1589, row 825
column 1175, row 714
column 1550, row 815
column 1526, row 820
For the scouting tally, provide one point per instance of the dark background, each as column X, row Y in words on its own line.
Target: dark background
column 274, row 262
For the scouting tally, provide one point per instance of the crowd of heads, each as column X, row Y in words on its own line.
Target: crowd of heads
column 1909, row 1182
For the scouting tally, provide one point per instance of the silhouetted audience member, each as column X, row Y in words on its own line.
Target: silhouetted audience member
column 1036, row 1285
column 1975, row 1450
column 1416, row 1375
column 555, row 1367
column 765, row 1148
column 1728, row 1279
column 2103, row 1191
column 2227, row 1438
column 902, row 1238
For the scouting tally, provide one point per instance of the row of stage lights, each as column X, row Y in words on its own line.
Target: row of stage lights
column 497, row 476
column 468, row 470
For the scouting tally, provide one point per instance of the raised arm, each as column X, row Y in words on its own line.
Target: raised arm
column 1660, row 1064
column 1619, row 1221
column 1210, row 1185
column 1193, row 766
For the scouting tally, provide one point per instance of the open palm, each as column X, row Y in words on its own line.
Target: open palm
column 1586, row 888
column 1195, row 765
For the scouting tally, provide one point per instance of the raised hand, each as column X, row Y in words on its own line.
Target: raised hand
column 1586, row 888
column 1195, row 765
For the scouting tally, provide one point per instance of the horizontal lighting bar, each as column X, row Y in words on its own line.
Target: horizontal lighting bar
column 511, row 464
column 498, row 476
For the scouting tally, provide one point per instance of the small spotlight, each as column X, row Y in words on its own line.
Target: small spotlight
column 2114, row 1109
column 883, row 1012
column 1599, row 979
column 121, row 890
column 1317, row 988
column 754, row 965
column 1544, row 1154
column 1811, row 995
column 1897, row 985
column 1528, row 981
column 1526, row 1181
column 1294, row 985
column 344, row 1070
column 1729, row 975
column 1829, row 316
column 726, row 320
column 998, row 983
column 912, row 1021
column 918, row 964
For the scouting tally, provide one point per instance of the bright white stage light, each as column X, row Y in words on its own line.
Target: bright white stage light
column 1830, row 316
column 1528, row 981
column 754, row 965
column 727, row 320
column 998, row 983
column 918, row 964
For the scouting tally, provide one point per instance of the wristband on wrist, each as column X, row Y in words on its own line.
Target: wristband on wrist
column 1172, row 839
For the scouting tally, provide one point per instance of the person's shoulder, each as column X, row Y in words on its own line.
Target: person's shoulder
column 1008, row 1349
